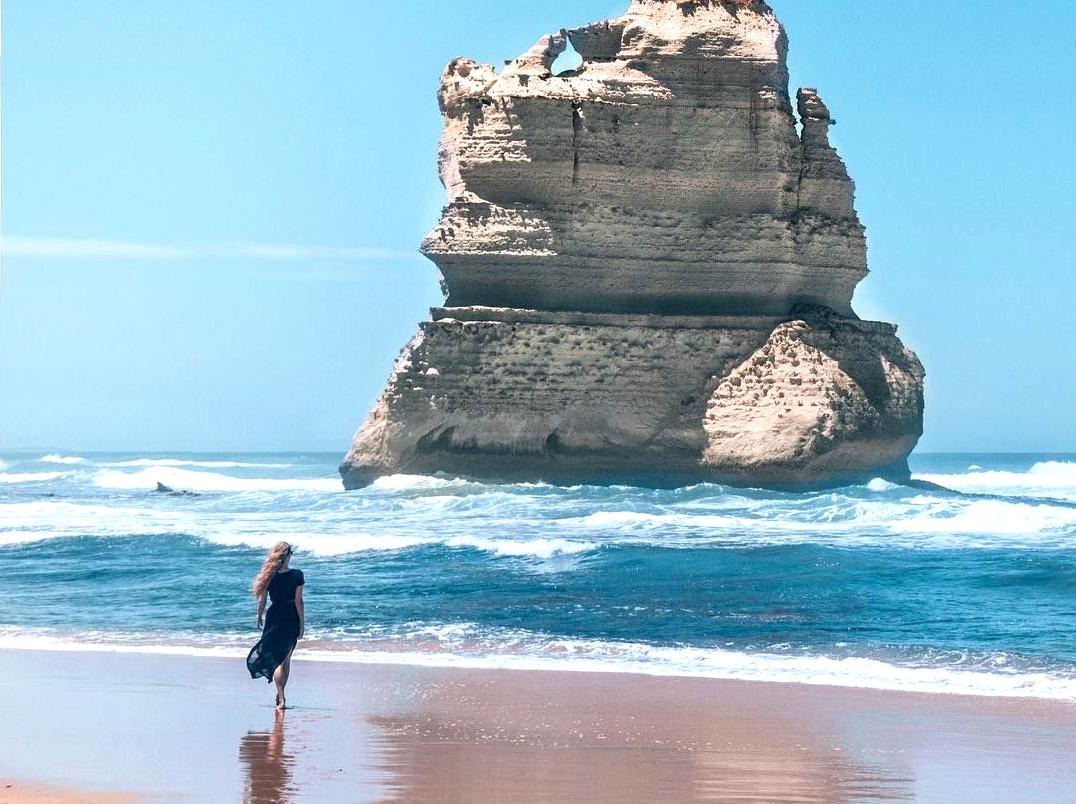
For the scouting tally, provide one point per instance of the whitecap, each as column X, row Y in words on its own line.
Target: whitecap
column 922, row 522
column 987, row 517
column 61, row 459
column 141, row 462
column 601, row 519
column 320, row 544
column 187, row 480
column 29, row 477
column 536, row 548
column 1043, row 479
column 419, row 483
column 338, row 544
column 40, row 520
column 880, row 484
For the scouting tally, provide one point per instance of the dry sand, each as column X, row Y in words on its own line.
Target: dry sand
column 163, row 728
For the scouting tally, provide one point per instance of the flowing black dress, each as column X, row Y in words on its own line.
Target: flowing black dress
column 281, row 626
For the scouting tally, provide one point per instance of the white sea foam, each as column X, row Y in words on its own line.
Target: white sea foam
column 40, row 520
column 421, row 483
column 29, row 477
column 987, row 517
column 140, row 462
column 320, row 544
column 611, row 657
column 879, row 484
column 62, row 459
column 920, row 522
column 537, row 548
column 187, row 480
column 338, row 544
column 1044, row 479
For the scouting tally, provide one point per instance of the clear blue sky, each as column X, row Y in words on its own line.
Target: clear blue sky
column 254, row 178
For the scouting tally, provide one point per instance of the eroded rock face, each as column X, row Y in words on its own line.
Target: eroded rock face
column 816, row 401
column 665, row 175
column 627, row 251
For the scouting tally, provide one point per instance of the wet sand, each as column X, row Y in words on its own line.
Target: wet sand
column 12, row 792
column 164, row 728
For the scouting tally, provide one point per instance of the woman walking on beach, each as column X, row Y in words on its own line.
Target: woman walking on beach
column 284, row 623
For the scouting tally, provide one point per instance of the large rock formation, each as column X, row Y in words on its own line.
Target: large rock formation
column 649, row 269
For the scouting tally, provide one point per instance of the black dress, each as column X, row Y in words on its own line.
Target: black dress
column 281, row 626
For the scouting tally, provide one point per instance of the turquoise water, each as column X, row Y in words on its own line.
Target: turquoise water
column 969, row 590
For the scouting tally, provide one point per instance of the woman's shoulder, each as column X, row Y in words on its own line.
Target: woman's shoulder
column 297, row 574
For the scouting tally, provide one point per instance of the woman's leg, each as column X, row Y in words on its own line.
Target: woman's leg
column 280, row 678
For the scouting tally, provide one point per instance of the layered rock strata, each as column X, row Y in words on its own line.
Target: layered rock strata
column 649, row 263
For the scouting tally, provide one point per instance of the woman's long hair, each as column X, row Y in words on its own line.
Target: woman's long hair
column 273, row 562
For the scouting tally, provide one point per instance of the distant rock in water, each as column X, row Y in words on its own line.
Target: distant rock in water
column 163, row 489
column 649, row 269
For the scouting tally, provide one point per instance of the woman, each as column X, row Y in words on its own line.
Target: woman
column 284, row 623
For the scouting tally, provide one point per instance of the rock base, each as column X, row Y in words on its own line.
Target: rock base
column 803, row 401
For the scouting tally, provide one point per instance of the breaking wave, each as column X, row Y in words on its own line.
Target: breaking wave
column 29, row 477
column 918, row 521
column 461, row 646
column 187, row 480
column 61, row 459
column 705, row 580
column 347, row 544
column 24, row 523
column 1043, row 479
column 138, row 462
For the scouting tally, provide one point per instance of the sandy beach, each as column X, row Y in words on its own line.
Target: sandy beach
column 114, row 727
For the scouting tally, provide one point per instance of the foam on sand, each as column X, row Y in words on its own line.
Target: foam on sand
column 562, row 655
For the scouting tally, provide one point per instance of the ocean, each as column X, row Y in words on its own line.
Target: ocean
column 969, row 591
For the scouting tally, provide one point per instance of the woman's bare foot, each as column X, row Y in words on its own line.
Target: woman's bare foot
column 281, row 704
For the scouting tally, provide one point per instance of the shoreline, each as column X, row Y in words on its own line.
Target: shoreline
column 838, row 678
column 156, row 727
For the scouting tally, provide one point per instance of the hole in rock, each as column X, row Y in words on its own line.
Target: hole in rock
column 552, row 443
column 567, row 62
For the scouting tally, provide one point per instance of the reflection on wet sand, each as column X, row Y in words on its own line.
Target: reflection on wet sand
column 267, row 766
column 499, row 738
column 377, row 732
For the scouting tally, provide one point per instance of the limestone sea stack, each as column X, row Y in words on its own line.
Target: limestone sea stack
column 648, row 263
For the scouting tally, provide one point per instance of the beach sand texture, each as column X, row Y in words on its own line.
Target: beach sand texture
column 171, row 728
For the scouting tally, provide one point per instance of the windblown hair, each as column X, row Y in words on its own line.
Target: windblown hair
column 273, row 562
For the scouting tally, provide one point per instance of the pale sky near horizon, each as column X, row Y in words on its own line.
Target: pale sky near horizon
column 211, row 209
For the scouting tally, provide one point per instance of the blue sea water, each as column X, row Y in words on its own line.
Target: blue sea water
column 969, row 591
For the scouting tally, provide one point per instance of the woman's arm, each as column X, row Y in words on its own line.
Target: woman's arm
column 261, row 609
column 299, row 608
